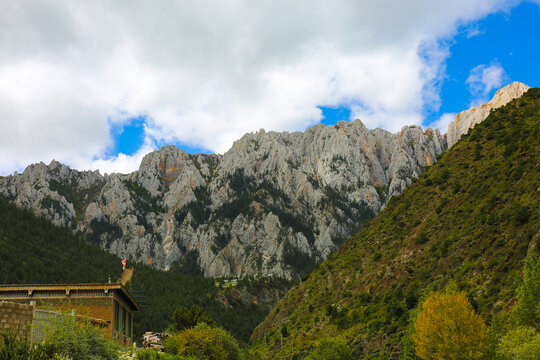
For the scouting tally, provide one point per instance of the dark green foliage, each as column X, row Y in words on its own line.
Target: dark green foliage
column 32, row 250
column 144, row 202
column 199, row 209
column 241, row 187
column 422, row 238
column 147, row 354
column 336, row 200
column 184, row 318
column 99, row 228
column 79, row 340
column 12, row 348
column 79, row 197
column 53, row 204
column 187, row 265
column 284, row 331
column 471, row 218
column 528, row 309
column 331, row 350
column 297, row 259
column 521, row 214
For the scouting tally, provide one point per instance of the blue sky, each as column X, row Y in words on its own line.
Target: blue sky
column 510, row 40
column 98, row 86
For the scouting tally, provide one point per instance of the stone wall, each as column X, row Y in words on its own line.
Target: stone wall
column 16, row 318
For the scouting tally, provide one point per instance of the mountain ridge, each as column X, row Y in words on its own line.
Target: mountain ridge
column 272, row 198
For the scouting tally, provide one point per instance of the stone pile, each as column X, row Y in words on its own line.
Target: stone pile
column 154, row 340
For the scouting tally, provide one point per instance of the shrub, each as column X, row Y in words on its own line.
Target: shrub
column 12, row 348
column 79, row 340
column 527, row 310
column 521, row 214
column 522, row 343
column 147, row 354
column 331, row 350
column 448, row 328
column 203, row 342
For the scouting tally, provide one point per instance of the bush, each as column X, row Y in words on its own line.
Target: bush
column 527, row 310
column 148, row 354
column 522, row 343
column 204, row 343
column 331, row 350
column 12, row 348
column 448, row 328
column 79, row 340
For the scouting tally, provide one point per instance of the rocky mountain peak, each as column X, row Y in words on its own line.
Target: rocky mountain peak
column 468, row 118
column 275, row 203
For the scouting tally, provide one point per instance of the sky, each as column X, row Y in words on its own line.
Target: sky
column 99, row 84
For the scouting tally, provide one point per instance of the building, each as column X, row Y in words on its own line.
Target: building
column 109, row 306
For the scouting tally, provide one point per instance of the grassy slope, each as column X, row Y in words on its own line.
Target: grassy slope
column 470, row 218
column 32, row 250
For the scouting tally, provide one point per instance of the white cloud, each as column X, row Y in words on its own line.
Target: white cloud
column 483, row 79
column 206, row 72
column 443, row 121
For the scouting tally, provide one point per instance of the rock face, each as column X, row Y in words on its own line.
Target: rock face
column 468, row 118
column 275, row 203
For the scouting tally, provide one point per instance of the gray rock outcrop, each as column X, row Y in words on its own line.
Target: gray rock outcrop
column 275, row 203
column 469, row 118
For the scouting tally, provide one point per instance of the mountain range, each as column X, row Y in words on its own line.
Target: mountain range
column 274, row 204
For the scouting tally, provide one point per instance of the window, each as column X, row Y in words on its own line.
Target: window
column 123, row 321
column 116, row 315
column 129, row 324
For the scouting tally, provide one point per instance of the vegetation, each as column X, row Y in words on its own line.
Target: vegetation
column 148, row 354
column 64, row 339
column 203, row 342
column 471, row 218
column 331, row 350
column 522, row 343
column 79, row 340
column 12, row 348
column 79, row 197
column 448, row 328
column 184, row 318
column 32, row 250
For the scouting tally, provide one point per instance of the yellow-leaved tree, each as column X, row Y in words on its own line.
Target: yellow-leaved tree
column 448, row 328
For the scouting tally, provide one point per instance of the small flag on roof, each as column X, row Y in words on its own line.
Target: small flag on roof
column 124, row 264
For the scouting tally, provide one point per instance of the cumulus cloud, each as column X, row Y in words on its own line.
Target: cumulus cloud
column 442, row 122
column 483, row 79
column 206, row 72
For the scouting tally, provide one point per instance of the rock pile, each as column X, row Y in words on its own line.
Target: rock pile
column 154, row 340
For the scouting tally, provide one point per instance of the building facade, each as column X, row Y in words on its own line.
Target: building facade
column 109, row 306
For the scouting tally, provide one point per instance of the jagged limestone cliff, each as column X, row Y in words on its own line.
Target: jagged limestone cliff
column 275, row 203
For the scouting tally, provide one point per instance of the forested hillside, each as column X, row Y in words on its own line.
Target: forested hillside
column 32, row 250
column 470, row 220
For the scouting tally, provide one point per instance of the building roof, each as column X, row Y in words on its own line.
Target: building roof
column 67, row 288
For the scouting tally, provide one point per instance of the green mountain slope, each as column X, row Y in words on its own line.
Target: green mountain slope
column 471, row 218
column 32, row 250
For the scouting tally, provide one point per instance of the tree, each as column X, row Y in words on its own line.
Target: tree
column 331, row 350
column 184, row 318
column 522, row 343
column 203, row 342
column 448, row 328
column 528, row 308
